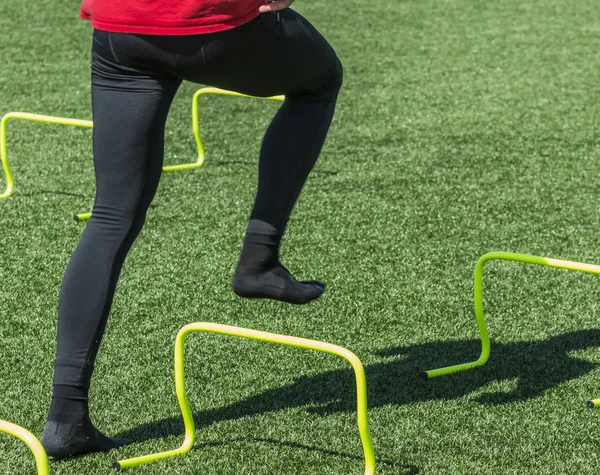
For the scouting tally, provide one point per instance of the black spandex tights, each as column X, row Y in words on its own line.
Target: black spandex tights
column 134, row 80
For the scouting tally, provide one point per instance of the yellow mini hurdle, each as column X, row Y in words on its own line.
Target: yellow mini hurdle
column 41, row 459
column 25, row 116
column 478, row 303
column 361, row 387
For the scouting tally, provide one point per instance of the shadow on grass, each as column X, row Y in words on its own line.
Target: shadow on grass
column 324, row 172
column 397, row 380
column 397, row 467
column 31, row 194
column 224, row 163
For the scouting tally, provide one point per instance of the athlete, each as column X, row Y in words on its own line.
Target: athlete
column 142, row 51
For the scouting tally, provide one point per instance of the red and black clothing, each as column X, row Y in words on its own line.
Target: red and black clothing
column 169, row 17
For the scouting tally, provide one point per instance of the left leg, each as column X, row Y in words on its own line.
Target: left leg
column 289, row 151
column 278, row 53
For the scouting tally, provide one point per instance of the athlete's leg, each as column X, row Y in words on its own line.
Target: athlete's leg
column 130, row 108
column 282, row 54
column 277, row 53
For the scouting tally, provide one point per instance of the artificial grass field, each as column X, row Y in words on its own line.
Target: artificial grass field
column 464, row 127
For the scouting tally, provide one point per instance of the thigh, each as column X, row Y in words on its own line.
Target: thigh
column 130, row 108
column 277, row 53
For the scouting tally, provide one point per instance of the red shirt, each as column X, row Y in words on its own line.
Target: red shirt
column 169, row 17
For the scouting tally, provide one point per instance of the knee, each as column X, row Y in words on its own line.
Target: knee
column 117, row 225
column 327, row 88
column 337, row 74
column 332, row 81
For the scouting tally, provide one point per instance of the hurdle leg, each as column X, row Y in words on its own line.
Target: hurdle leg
column 593, row 403
column 41, row 459
column 196, row 123
column 478, row 301
column 10, row 184
column 361, row 387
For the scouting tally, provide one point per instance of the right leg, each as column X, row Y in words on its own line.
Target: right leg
column 130, row 109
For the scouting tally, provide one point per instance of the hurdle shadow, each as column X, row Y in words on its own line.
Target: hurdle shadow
column 224, row 163
column 31, row 194
column 395, row 466
column 397, row 380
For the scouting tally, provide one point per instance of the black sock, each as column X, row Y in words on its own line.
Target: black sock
column 260, row 274
column 69, row 404
column 68, row 430
column 260, row 251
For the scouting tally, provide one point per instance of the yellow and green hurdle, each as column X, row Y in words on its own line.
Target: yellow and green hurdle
column 41, row 459
column 10, row 182
column 25, row 116
column 361, row 387
column 478, row 304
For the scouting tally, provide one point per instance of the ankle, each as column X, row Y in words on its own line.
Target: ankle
column 69, row 404
column 260, row 251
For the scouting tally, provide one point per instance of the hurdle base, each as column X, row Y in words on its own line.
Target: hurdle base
column 593, row 403
column 82, row 217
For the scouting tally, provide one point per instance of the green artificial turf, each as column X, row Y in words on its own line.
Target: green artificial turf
column 464, row 126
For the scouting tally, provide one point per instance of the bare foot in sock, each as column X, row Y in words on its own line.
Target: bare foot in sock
column 68, row 439
column 260, row 275
column 276, row 283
